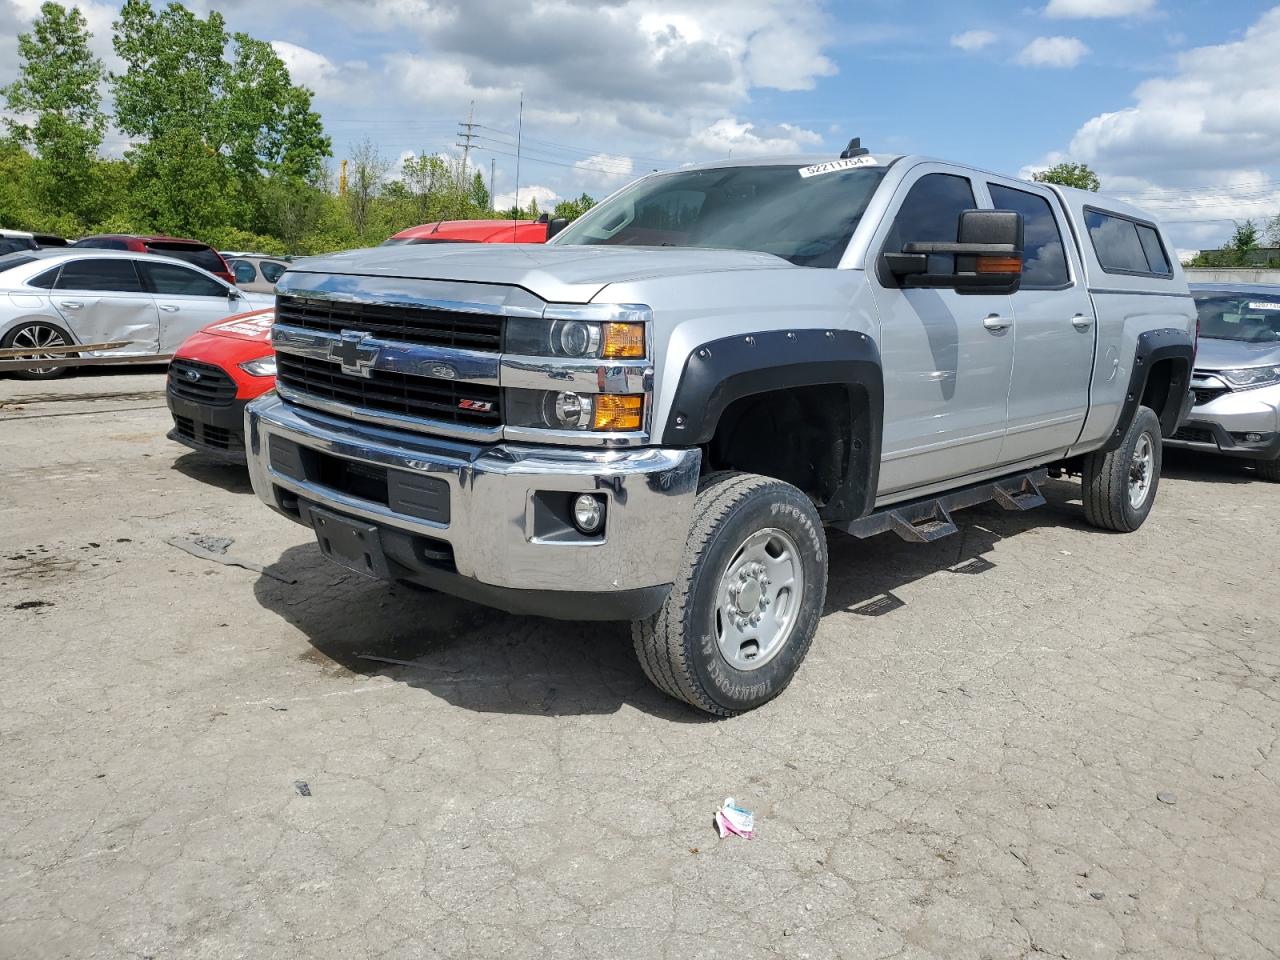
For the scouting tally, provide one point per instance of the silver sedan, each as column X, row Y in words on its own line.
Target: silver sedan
column 146, row 303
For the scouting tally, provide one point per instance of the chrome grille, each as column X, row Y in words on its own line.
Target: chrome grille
column 410, row 324
column 428, row 398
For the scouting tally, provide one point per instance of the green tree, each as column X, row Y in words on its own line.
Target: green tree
column 572, row 209
column 1069, row 174
column 479, row 193
column 212, row 122
column 58, row 100
column 367, row 170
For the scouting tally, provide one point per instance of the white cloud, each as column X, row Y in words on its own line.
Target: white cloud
column 1058, row 52
column 1074, row 9
column 729, row 136
column 972, row 40
column 311, row 69
column 546, row 197
column 1201, row 143
column 605, row 171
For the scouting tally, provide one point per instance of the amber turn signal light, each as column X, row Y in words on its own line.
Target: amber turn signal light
column 999, row 265
column 616, row 411
column 623, row 341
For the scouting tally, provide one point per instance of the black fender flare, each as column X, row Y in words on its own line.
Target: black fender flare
column 721, row 371
column 1153, row 347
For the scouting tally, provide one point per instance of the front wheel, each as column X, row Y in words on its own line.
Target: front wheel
column 38, row 334
column 746, row 601
column 1119, row 486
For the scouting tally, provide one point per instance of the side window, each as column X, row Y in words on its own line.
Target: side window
column 1044, row 261
column 1154, row 249
column 115, row 275
column 169, row 279
column 243, row 271
column 46, row 280
column 271, row 270
column 102, row 244
column 931, row 214
column 1122, row 247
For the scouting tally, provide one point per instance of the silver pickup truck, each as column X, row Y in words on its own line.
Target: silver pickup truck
column 658, row 415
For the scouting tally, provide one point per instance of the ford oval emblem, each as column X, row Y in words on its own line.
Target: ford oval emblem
column 192, row 375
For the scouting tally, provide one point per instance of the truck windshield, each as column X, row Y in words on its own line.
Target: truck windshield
column 806, row 219
column 1251, row 317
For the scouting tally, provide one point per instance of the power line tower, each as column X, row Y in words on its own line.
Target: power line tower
column 466, row 132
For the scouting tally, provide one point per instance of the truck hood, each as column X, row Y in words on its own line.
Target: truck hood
column 1225, row 354
column 558, row 274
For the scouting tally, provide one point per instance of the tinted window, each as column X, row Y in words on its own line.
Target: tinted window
column 1154, row 249
column 1044, row 260
column 15, row 244
column 202, row 257
column 271, row 270
column 1119, row 247
column 10, row 260
column 243, row 271
column 931, row 214
column 1251, row 317
column 105, row 274
column 806, row 217
column 169, row 279
column 46, row 280
column 100, row 243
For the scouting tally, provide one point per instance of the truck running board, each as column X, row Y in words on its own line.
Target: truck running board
column 929, row 519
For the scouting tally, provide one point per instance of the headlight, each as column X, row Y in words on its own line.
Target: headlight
column 566, row 410
column 261, row 367
column 575, row 339
column 1251, row 376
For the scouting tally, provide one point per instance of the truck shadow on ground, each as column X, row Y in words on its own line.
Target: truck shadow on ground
column 1206, row 468
column 492, row 662
column 231, row 477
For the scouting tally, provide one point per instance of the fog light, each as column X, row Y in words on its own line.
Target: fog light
column 588, row 512
column 1253, row 437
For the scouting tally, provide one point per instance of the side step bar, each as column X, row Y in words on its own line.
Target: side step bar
column 929, row 519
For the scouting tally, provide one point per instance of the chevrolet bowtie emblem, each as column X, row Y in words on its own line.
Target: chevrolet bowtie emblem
column 356, row 351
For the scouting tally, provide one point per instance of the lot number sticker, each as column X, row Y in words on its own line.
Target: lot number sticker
column 834, row 166
column 1264, row 306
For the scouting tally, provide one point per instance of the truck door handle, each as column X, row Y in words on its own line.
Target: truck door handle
column 1082, row 321
column 70, row 304
column 168, row 308
column 995, row 323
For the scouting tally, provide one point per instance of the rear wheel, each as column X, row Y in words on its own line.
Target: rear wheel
column 1119, row 486
column 38, row 335
column 746, row 601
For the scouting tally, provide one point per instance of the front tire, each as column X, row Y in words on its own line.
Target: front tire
column 1119, row 486
column 36, row 334
column 746, row 600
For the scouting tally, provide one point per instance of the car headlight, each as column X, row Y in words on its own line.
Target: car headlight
column 566, row 410
column 261, row 367
column 1251, row 376
column 575, row 339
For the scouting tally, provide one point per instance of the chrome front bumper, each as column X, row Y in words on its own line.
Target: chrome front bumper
column 494, row 495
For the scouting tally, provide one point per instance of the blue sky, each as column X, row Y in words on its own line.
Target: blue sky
column 1172, row 101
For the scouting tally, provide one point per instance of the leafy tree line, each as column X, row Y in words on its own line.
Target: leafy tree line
column 1249, row 247
column 224, row 146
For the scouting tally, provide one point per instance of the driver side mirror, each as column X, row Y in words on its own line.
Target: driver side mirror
column 234, row 294
column 556, row 225
column 987, row 256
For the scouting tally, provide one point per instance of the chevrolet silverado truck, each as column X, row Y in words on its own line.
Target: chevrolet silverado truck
column 659, row 415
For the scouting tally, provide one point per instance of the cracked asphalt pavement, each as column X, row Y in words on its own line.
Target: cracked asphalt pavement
column 1029, row 740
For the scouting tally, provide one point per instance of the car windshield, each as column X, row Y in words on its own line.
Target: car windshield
column 803, row 214
column 1250, row 317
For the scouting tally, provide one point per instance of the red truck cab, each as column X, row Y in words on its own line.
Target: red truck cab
column 473, row 231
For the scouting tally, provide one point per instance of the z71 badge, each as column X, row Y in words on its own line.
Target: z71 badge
column 480, row 406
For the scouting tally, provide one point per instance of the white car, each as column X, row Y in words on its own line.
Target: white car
column 147, row 303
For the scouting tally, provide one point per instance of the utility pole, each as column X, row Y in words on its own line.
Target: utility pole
column 519, row 140
column 493, row 165
column 466, row 131
column 342, row 180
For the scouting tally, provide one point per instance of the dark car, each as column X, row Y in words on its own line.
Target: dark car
column 192, row 251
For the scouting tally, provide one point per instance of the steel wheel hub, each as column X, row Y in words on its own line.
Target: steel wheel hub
column 758, row 599
column 1141, row 471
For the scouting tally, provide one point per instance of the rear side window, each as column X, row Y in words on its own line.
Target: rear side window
column 242, row 270
column 169, row 279
column 97, row 243
column 271, row 270
column 202, row 257
column 115, row 275
column 1121, row 247
column 1044, row 260
column 46, row 280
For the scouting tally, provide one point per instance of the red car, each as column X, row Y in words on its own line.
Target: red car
column 473, row 231
column 228, row 363
column 192, row 251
